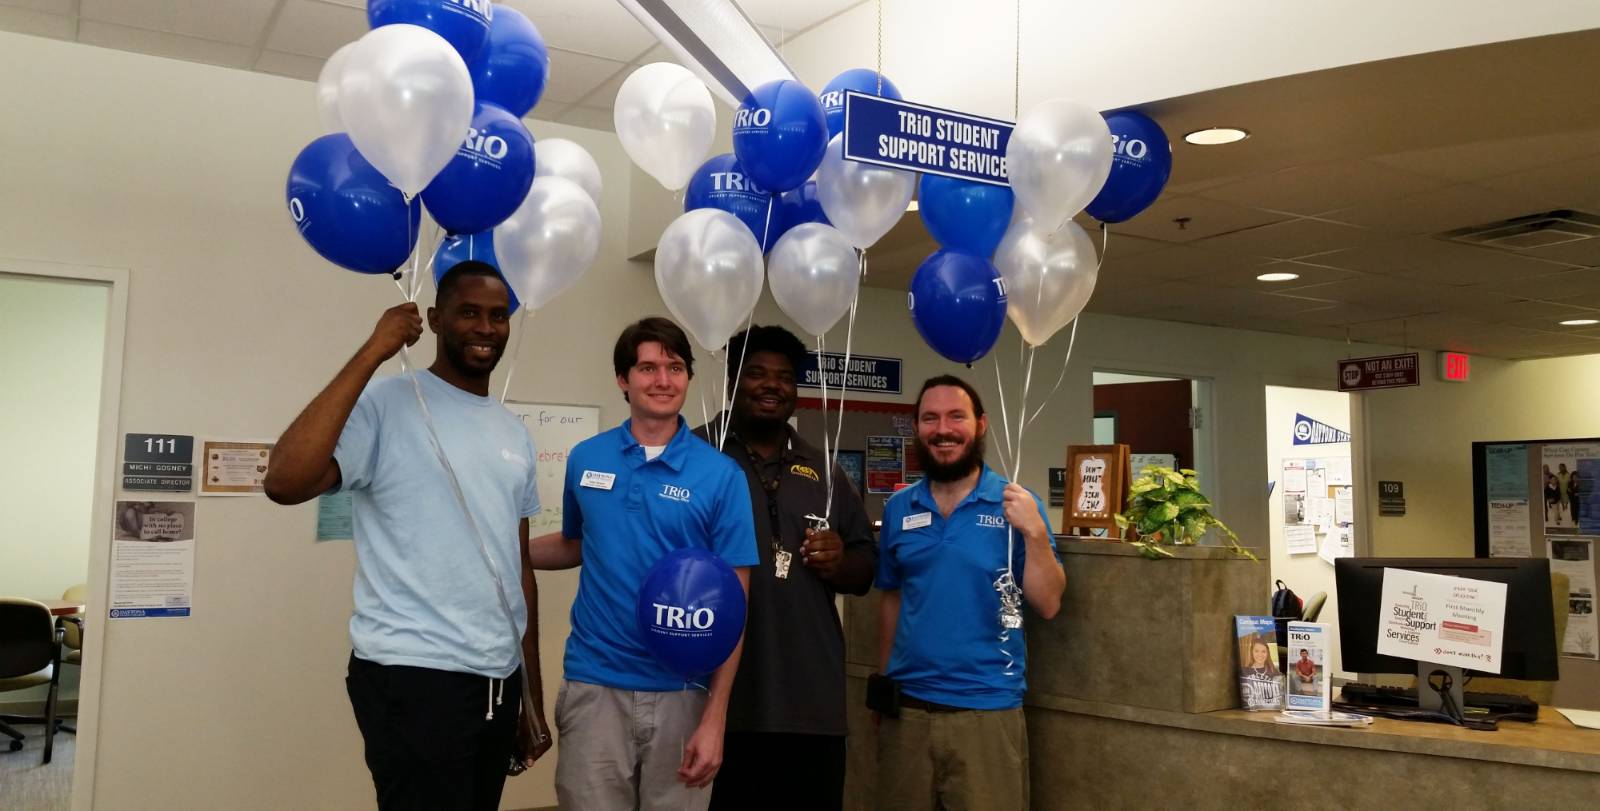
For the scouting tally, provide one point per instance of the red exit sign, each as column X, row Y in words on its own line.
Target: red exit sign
column 1455, row 367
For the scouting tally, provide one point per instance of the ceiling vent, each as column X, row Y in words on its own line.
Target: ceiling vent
column 1530, row 232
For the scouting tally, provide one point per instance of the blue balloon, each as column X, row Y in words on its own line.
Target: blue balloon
column 458, row 248
column 797, row 206
column 346, row 209
column 860, row 79
column 691, row 612
column 779, row 134
column 1141, row 162
column 463, row 23
column 511, row 69
column 487, row 179
column 721, row 183
column 958, row 303
column 963, row 215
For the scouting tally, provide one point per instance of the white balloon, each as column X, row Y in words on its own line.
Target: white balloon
column 328, row 89
column 863, row 201
column 558, row 157
column 406, row 100
column 815, row 273
column 1049, row 276
column 549, row 241
column 666, row 122
column 708, row 270
column 1058, row 157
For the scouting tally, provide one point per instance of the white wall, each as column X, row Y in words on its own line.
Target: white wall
column 52, row 335
column 1305, row 574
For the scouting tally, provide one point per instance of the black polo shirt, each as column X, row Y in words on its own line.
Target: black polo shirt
column 791, row 674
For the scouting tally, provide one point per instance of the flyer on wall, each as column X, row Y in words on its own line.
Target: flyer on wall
column 1509, row 530
column 1562, row 484
column 1574, row 557
column 152, row 559
column 233, row 468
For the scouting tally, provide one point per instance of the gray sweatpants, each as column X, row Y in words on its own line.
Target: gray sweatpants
column 620, row 750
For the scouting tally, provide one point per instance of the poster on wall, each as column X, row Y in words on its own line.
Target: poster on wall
column 1294, row 508
column 853, row 463
column 1509, row 532
column 336, row 517
column 152, row 560
column 1562, row 484
column 1300, row 539
column 233, row 468
column 885, row 461
column 1586, row 495
column 1294, row 476
column 1574, row 557
column 1506, row 472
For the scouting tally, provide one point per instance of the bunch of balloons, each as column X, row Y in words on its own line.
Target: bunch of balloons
column 427, row 108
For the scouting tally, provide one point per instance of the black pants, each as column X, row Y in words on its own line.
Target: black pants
column 753, row 765
column 428, row 744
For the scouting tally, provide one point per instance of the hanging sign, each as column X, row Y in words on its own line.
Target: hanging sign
column 919, row 138
column 867, row 373
column 1382, row 372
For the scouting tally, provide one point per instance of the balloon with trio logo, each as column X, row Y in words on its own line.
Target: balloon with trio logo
column 691, row 612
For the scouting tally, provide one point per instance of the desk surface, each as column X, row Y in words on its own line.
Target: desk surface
column 1551, row 742
column 61, row 608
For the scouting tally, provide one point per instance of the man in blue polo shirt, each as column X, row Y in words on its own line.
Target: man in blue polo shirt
column 950, row 633
column 631, row 734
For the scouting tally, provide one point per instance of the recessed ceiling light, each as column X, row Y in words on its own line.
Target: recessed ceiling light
column 911, row 206
column 1213, row 136
column 1277, row 277
column 1580, row 322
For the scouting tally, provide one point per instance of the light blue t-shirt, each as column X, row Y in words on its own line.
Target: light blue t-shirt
column 424, row 595
column 947, row 645
column 630, row 512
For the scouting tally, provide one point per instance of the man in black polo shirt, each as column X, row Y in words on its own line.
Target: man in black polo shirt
column 787, row 712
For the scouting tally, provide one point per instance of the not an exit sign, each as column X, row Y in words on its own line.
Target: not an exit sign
column 1381, row 372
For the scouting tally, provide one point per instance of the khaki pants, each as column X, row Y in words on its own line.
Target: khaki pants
column 620, row 749
column 976, row 760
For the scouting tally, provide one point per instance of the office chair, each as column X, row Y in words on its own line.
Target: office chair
column 72, row 639
column 30, row 655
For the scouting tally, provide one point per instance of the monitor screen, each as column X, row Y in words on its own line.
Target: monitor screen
column 1528, row 641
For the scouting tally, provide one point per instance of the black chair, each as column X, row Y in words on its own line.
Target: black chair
column 30, row 655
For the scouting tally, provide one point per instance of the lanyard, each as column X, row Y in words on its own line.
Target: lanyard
column 768, row 486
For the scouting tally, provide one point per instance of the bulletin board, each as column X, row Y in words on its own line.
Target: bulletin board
column 864, row 419
column 1541, row 498
column 555, row 429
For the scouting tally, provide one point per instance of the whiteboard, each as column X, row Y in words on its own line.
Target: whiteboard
column 555, row 430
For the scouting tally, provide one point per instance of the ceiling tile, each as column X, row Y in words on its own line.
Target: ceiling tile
column 294, row 66
column 605, row 95
column 597, row 27
column 1584, row 252
column 1176, row 262
column 58, row 7
column 238, row 22
column 1203, row 218
column 1131, row 299
column 573, row 75
column 315, row 29
column 1431, row 212
column 793, row 16
column 1557, row 287
column 1414, row 296
column 1244, row 275
column 1350, row 314
column 1524, row 312
column 1573, row 184
column 1293, row 239
column 1474, row 161
column 36, row 23
column 1432, row 260
column 594, row 118
column 1318, row 188
column 157, row 43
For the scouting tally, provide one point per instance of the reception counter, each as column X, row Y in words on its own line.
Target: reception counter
column 1164, row 734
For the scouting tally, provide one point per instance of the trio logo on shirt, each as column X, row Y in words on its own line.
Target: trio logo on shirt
column 996, row 521
column 674, row 493
column 802, row 470
column 506, row 454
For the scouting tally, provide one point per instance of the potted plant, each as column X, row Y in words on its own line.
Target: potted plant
column 1166, row 507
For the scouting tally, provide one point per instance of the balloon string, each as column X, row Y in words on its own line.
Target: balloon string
column 1072, row 339
column 766, row 230
column 1016, row 68
column 880, row 47
column 844, row 386
column 1022, row 412
column 516, row 352
column 727, row 398
column 1005, row 417
column 822, row 374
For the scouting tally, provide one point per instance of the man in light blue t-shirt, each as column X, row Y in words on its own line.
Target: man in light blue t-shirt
column 633, row 735
column 949, row 639
column 433, row 676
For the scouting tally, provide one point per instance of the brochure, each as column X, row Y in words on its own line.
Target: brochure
column 1260, row 680
column 1308, row 667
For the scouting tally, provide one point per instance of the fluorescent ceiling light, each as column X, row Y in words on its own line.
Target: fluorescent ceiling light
column 1580, row 322
column 1213, row 136
column 1277, row 277
column 911, row 206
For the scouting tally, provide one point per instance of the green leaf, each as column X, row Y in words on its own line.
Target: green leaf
column 1172, row 477
column 1165, row 513
column 1188, row 472
column 1122, row 520
column 1190, row 498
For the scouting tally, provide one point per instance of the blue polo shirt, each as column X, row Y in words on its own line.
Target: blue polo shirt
column 630, row 512
column 947, row 647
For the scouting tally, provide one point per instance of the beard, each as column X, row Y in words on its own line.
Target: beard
column 455, row 351
column 957, row 469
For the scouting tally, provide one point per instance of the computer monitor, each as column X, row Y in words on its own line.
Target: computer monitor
column 1527, row 639
column 1528, row 643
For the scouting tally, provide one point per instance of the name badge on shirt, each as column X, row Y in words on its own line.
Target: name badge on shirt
column 917, row 521
column 597, row 480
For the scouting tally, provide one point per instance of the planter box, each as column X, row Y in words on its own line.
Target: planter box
column 1150, row 633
